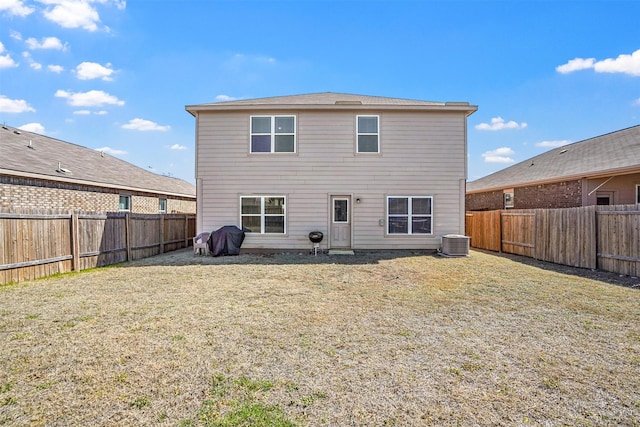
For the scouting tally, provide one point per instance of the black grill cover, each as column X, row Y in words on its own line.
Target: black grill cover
column 226, row 241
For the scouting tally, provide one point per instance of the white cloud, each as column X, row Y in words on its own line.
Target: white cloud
column 178, row 147
column 553, row 144
column 92, row 98
column 624, row 63
column 89, row 112
column 72, row 14
column 112, row 151
column 5, row 60
column 14, row 105
column 55, row 68
column 53, row 43
column 77, row 13
column 223, row 98
column 627, row 64
column 241, row 62
column 33, row 127
column 498, row 123
column 14, row 34
column 576, row 64
column 499, row 155
column 636, row 102
column 92, row 70
column 33, row 64
column 15, row 8
column 145, row 125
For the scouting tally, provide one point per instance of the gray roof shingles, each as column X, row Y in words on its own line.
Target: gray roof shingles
column 329, row 99
column 24, row 153
column 614, row 152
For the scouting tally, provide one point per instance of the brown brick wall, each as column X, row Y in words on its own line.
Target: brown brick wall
column 566, row 194
column 21, row 193
column 488, row 201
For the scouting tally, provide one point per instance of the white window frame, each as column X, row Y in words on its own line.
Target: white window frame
column 409, row 215
column 508, row 196
column 128, row 198
column 333, row 208
column 262, row 213
column 160, row 199
column 272, row 134
column 359, row 134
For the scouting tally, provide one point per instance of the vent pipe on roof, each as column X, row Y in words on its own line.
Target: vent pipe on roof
column 62, row 170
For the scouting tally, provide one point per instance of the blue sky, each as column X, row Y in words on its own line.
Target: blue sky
column 115, row 75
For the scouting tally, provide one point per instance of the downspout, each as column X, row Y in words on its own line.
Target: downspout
column 199, row 192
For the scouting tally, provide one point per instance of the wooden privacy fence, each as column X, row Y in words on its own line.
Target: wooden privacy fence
column 602, row 237
column 34, row 245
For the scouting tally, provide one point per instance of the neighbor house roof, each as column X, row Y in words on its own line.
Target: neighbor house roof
column 607, row 155
column 28, row 154
column 331, row 100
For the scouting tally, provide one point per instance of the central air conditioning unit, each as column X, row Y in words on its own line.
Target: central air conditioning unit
column 455, row 245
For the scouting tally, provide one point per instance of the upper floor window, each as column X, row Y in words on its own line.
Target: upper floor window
column 508, row 199
column 263, row 214
column 162, row 205
column 368, row 134
column 125, row 203
column 410, row 215
column 273, row 134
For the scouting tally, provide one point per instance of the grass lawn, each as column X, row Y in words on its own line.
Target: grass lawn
column 374, row 339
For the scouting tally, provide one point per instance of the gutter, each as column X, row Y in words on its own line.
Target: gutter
column 444, row 107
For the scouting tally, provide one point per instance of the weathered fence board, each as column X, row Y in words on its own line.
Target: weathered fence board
column 484, row 230
column 619, row 240
column 40, row 243
column 603, row 237
column 519, row 232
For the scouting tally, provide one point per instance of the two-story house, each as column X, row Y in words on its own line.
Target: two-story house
column 368, row 172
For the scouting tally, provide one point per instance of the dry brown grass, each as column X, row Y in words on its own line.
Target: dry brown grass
column 371, row 339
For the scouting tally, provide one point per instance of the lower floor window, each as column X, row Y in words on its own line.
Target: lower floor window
column 263, row 214
column 410, row 214
column 638, row 194
column 125, row 203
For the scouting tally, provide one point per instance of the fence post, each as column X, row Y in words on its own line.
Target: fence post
column 127, row 232
column 75, row 242
column 161, row 233
column 499, row 233
column 186, row 231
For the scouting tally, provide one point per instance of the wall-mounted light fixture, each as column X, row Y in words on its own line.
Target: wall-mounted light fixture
column 358, row 200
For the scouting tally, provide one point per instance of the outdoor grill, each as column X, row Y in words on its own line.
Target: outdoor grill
column 316, row 238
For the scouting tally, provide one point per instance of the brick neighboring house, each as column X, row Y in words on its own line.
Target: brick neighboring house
column 604, row 170
column 38, row 172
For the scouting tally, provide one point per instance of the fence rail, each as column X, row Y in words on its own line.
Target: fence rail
column 602, row 237
column 37, row 244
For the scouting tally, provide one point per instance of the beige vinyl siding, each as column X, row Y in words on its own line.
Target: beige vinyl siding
column 421, row 154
